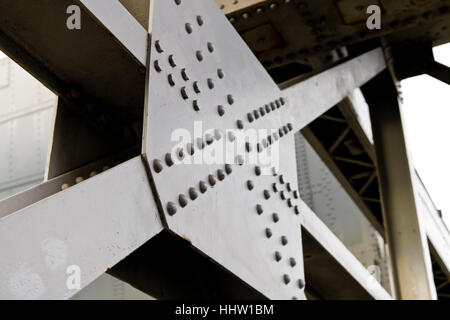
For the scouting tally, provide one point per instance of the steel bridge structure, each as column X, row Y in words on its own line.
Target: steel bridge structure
column 125, row 193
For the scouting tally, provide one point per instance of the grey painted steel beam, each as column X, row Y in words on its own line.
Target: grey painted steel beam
column 363, row 285
column 92, row 225
column 312, row 97
column 409, row 252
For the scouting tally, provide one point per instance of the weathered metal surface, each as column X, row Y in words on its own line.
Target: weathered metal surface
column 256, row 235
column 92, row 225
column 304, row 28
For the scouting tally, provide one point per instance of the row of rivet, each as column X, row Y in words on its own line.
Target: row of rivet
column 80, row 179
column 262, row 111
column 202, row 187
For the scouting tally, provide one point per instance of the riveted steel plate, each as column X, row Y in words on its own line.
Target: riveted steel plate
column 239, row 211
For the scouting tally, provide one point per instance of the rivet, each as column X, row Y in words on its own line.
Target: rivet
column 278, row 104
column 157, row 166
column 196, row 87
column 94, row 173
column 301, row 283
column 250, row 185
column 239, row 160
column 157, row 66
column 258, row 147
column 248, row 147
column 184, row 93
column 266, row 194
column 274, row 187
column 284, row 240
column 217, row 134
column 256, row 114
column 277, row 256
column 220, row 174
column 295, row 194
column 177, row 2
column 188, row 28
column 182, row 200
column 257, row 171
column 294, row 298
column 231, row 136
column 230, row 99
column 282, row 101
column 210, row 84
column 193, row 193
column 202, row 186
column 275, row 135
column 269, row 139
column 290, row 127
column 228, row 169
column 172, row 62
column 265, row 143
column 273, row 106
column 184, row 75
column 289, row 203
column 64, row 186
column 190, row 149
column 199, row 20
column 220, row 110
column 250, row 117
column 199, row 55
column 282, row 196
column 211, row 180
column 240, row 124
column 200, row 143
column 292, row 262
column 259, row 209
column 296, row 210
column 268, row 233
column 280, row 132
column 209, row 139
column 281, row 179
column 275, row 218
column 267, row 108
column 285, row 129
column 180, row 153
column 169, row 160
column 220, row 73
column 274, row 171
column 288, row 187
column 170, row 79
column 171, row 208
column 286, row 279
column 210, row 47
column 79, row 179
column 158, row 46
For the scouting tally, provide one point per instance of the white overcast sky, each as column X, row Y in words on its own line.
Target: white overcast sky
column 427, row 121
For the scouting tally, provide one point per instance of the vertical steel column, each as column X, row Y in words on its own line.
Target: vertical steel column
column 409, row 253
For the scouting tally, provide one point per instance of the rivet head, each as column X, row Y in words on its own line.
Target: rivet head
column 268, row 233
column 284, row 240
column 211, row 180
column 231, row 136
column 256, row 114
column 171, row 208
column 289, row 203
column 157, row 166
column 248, row 147
column 257, row 171
column 296, row 210
column 182, row 200
column 193, row 193
column 282, row 196
column 288, row 187
column 220, row 174
column 220, row 110
column 290, row 127
column 266, row 194
column 180, row 154
column 277, row 256
column 267, row 108
column 230, row 99
column 273, row 106
column 281, row 179
column 240, row 160
column 200, row 143
column 250, row 185
column 202, row 186
column 275, row 218
column 301, row 283
column 250, row 117
column 169, row 160
column 286, row 279
column 274, row 187
column 190, row 149
column 259, row 209
column 295, row 193
column 292, row 262
column 228, row 169
column 262, row 111
column 240, row 124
